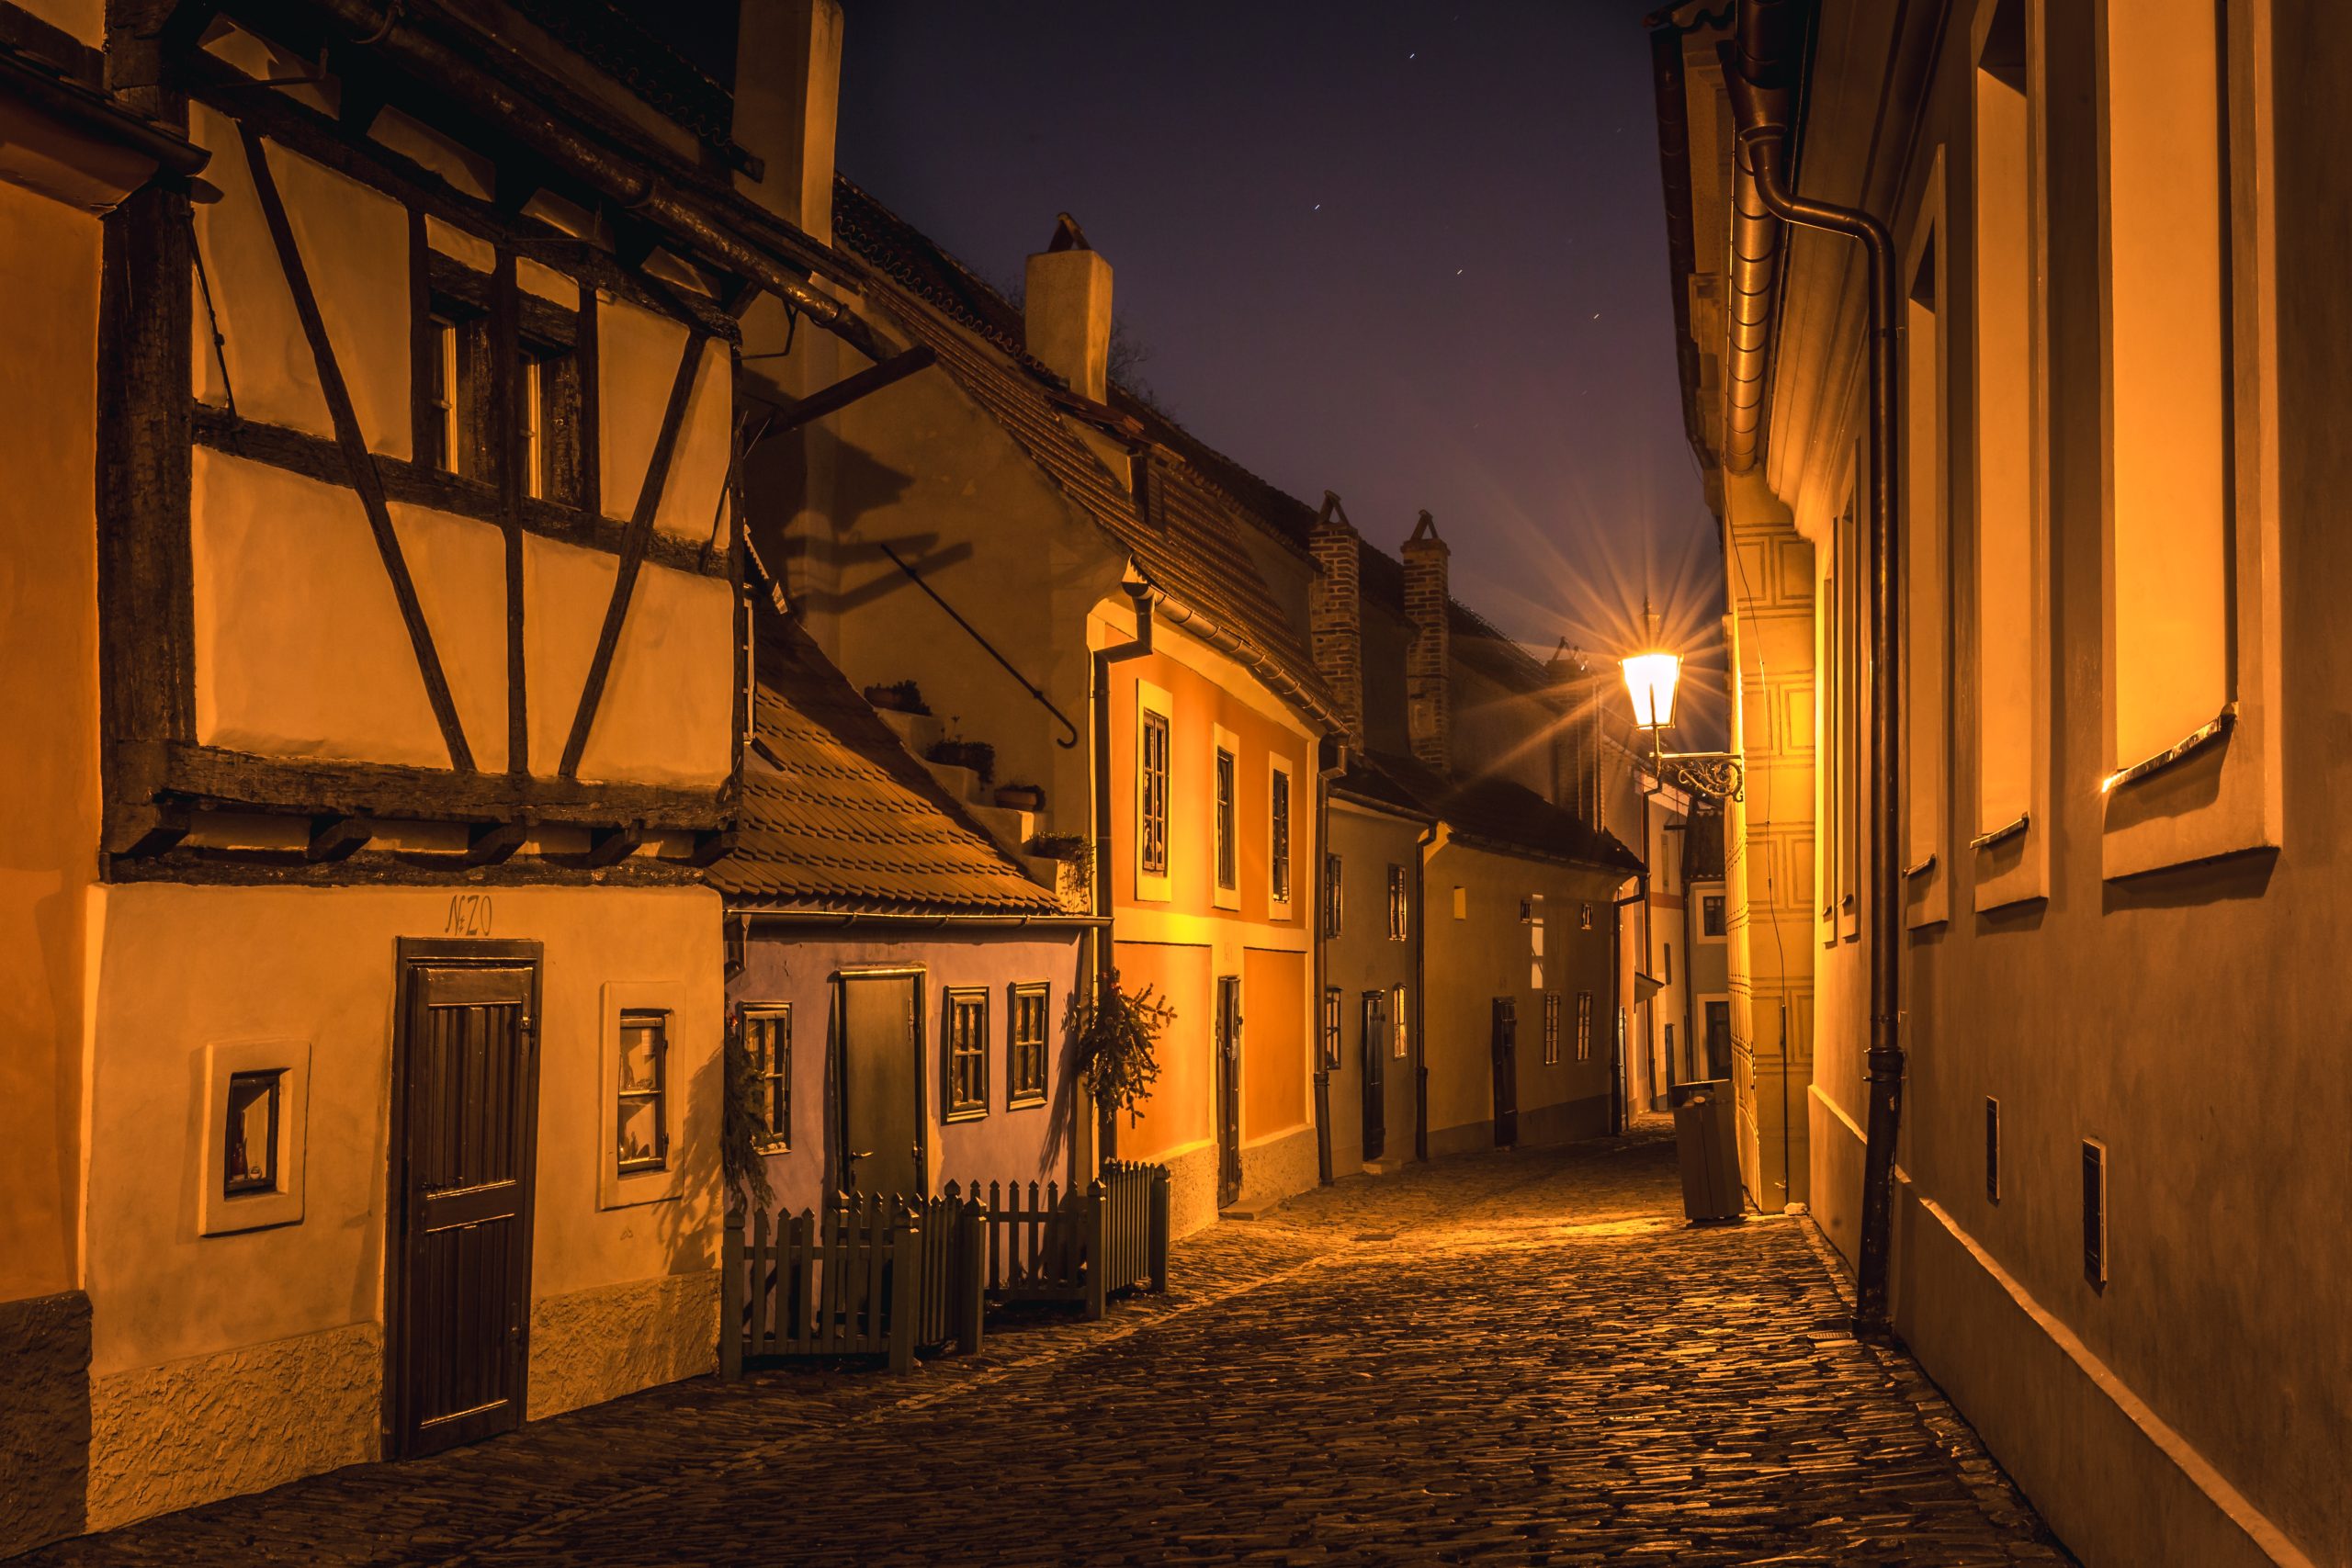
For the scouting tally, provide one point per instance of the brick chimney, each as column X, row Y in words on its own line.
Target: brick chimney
column 1429, row 675
column 1578, row 686
column 1335, row 611
column 788, row 92
column 1066, row 314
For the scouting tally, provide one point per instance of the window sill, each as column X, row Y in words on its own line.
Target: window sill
column 2220, row 799
column 1226, row 899
column 1151, row 887
column 1026, row 1103
column 968, row 1113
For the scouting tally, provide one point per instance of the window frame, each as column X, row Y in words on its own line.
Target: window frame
column 1281, row 804
column 1399, row 1030
column 1334, row 1000
column 1155, row 712
column 1584, row 1025
column 657, row 1096
column 1225, row 819
column 1926, row 562
column 1017, row 1094
column 775, row 1074
column 1721, row 906
column 1334, row 894
column 958, row 1047
column 1401, row 905
column 1550, row 1028
column 271, row 1082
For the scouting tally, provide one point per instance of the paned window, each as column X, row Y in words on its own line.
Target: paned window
column 1719, row 1040
column 967, row 1054
column 767, row 1041
column 1399, row 906
column 1584, row 1025
column 1402, row 1044
column 1550, row 1028
column 253, row 1104
column 1278, row 841
column 1152, row 834
column 1028, row 1085
column 644, row 1119
column 1669, row 964
column 1533, row 911
column 1711, row 914
column 454, row 362
column 1331, row 995
column 1331, row 900
column 1228, row 872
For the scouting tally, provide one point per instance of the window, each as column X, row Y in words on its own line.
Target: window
column 1028, row 1086
column 1669, row 1050
column 1533, row 915
column 1584, row 1025
column 254, row 1106
column 2095, row 1212
column 1584, row 917
column 1151, row 837
column 1331, row 998
column 1331, row 895
column 1669, row 964
column 1550, row 1028
column 967, row 1054
column 643, row 1120
column 1711, row 914
column 1926, row 564
column 551, row 419
column 1396, row 1024
column 768, row 1041
column 1399, row 906
column 1992, row 1148
column 1278, row 835
column 1461, row 902
column 458, row 425
column 1719, row 1040
column 1228, row 871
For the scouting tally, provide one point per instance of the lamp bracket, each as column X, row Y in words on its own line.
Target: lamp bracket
column 1717, row 774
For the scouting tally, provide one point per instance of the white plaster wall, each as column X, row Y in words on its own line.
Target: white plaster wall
column 637, row 361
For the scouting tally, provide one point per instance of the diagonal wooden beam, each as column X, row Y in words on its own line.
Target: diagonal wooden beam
column 356, row 455
column 633, row 543
column 849, row 389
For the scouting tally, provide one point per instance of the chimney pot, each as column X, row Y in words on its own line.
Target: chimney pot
column 1429, row 661
column 1335, row 611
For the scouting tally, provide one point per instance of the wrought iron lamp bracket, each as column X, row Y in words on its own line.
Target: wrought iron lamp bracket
column 1717, row 774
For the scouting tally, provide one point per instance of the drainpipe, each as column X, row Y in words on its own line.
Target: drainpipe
column 1420, row 995
column 1325, row 771
column 1139, row 592
column 1760, row 102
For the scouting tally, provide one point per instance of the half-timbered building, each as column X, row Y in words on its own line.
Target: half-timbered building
column 395, row 689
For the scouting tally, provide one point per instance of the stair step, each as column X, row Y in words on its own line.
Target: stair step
column 919, row 731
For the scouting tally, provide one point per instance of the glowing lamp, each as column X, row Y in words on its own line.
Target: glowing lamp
column 1651, row 678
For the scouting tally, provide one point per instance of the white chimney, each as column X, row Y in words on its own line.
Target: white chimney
column 1066, row 316
column 787, row 101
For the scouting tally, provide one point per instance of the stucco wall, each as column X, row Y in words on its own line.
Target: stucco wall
column 1181, row 1112
column 48, row 689
column 191, row 1329
column 1029, row 1142
column 1362, row 958
column 44, row 1417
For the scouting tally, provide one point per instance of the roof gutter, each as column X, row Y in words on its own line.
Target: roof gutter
column 826, row 920
column 1762, row 95
column 1763, row 59
column 1276, row 679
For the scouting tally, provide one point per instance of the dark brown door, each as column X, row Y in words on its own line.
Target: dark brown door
column 877, row 1077
column 465, row 1099
column 1228, row 1088
column 1376, row 1075
column 1506, row 1047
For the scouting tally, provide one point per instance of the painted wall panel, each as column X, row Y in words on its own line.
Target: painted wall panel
column 1178, row 1115
column 1273, row 1042
column 459, row 569
column 285, row 666
column 637, row 361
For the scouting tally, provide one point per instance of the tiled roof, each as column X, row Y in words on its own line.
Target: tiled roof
column 1493, row 811
column 839, row 816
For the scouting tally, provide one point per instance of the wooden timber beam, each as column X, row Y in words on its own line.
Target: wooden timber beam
column 354, row 442
column 641, row 528
column 136, row 830
column 336, row 837
column 610, row 846
column 495, row 843
column 849, row 389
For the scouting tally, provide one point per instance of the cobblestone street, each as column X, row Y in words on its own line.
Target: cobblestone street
column 1515, row 1358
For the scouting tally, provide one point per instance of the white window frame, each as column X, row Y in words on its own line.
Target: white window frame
column 1396, row 1024
column 218, row 1213
column 1153, row 887
column 1279, row 895
column 1224, row 835
column 615, row 1188
column 1926, row 490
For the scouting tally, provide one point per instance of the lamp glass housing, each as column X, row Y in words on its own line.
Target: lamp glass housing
column 1650, row 678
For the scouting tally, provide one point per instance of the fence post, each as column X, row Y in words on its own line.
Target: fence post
column 1159, row 1227
column 971, row 1289
column 906, row 1288
column 1098, row 1249
column 733, row 1297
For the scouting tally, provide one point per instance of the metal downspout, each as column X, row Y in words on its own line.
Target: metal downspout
column 1140, row 592
column 1760, row 107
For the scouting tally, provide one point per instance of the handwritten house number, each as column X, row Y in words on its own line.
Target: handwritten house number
column 468, row 914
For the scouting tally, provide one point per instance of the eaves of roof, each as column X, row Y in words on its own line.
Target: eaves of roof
column 1508, row 818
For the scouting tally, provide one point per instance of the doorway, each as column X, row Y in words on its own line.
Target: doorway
column 464, row 1118
column 877, row 1081
column 1506, row 1054
column 1228, row 1088
column 1375, row 1074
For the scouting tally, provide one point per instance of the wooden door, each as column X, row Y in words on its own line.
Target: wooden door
column 1228, row 1088
column 465, row 1110
column 1375, row 1074
column 1506, row 1050
column 877, row 1084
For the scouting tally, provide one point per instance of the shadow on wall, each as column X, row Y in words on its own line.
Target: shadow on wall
column 688, row 1227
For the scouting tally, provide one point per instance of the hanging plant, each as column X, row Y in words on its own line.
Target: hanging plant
column 1116, row 1045
column 743, row 1129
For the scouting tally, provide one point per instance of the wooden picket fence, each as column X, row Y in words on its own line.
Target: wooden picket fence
column 874, row 1274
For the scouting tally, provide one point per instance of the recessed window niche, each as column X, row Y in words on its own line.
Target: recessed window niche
column 257, row 1101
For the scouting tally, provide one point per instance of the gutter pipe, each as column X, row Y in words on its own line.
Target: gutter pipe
column 1761, row 94
column 1139, row 592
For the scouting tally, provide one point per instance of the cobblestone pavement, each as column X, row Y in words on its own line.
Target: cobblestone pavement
column 1511, row 1358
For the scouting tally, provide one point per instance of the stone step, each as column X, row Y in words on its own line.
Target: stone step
column 919, row 731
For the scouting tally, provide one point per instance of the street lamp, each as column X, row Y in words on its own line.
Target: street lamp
column 1651, row 676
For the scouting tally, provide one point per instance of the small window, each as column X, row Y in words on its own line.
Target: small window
column 1331, row 899
column 1331, row 997
column 2095, row 1212
column 1584, row 1025
column 1278, row 839
column 1533, row 913
column 253, row 1104
column 1669, row 964
column 643, row 1122
column 1403, row 1042
column 1028, row 1086
column 1711, row 914
column 967, row 1054
column 1461, row 902
column 551, row 419
column 1228, row 871
column 1584, row 917
column 1550, row 1028
column 1152, row 834
column 1669, row 1050
column 1719, row 1040
column 1992, row 1148
column 767, row 1040
column 1399, row 906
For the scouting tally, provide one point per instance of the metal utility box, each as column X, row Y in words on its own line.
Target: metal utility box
column 1705, row 1148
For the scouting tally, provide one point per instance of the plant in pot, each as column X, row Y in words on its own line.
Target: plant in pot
column 1067, row 847
column 977, row 755
column 1021, row 796
column 898, row 696
column 1115, row 1050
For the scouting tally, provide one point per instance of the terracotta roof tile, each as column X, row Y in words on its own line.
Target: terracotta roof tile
column 1489, row 810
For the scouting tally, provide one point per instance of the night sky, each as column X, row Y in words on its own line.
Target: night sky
column 1411, row 252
